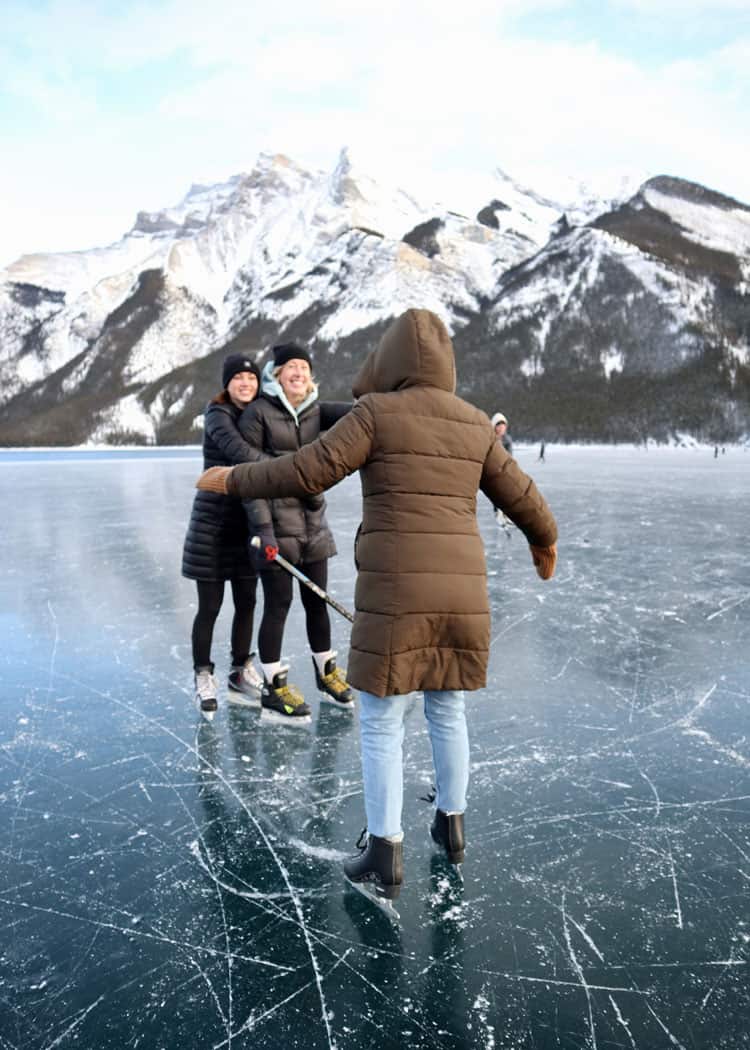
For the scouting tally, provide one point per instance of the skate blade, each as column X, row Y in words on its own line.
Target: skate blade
column 385, row 905
column 207, row 715
column 325, row 698
column 267, row 715
column 243, row 699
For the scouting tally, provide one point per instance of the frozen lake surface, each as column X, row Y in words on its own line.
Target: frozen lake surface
column 166, row 883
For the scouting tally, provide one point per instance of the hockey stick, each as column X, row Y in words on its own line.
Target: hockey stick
column 272, row 554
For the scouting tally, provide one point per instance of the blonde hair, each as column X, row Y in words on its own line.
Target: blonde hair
column 310, row 386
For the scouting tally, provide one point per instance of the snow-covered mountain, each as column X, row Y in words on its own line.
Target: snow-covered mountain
column 635, row 324
column 560, row 309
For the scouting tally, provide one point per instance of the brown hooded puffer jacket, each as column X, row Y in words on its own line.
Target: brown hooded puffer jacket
column 422, row 612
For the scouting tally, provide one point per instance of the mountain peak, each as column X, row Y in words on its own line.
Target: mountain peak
column 344, row 183
column 691, row 192
column 330, row 257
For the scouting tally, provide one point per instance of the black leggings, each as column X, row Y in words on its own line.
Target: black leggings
column 210, row 597
column 277, row 597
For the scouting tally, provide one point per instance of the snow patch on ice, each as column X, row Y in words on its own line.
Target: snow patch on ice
column 320, row 852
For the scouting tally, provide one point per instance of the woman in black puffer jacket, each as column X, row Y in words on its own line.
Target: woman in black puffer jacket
column 286, row 416
column 216, row 545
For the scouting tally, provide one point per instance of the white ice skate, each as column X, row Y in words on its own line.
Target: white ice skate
column 205, row 692
column 245, row 684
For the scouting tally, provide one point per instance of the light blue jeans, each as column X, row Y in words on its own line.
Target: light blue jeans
column 381, row 721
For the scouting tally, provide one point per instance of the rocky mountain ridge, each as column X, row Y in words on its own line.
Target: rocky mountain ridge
column 590, row 319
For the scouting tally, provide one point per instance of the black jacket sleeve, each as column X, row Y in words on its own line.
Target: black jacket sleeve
column 222, row 428
column 251, row 427
column 332, row 411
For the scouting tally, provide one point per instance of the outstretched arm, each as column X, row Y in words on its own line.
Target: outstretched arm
column 312, row 469
column 223, row 431
column 332, row 411
column 506, row 485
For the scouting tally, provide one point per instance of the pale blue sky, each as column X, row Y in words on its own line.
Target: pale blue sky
column 108, row 108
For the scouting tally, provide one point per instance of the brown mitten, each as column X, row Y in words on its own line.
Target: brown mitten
column 545, row 559
column 214, row 480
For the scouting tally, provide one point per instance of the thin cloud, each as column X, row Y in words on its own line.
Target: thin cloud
column 129, row 106
column 681, row 7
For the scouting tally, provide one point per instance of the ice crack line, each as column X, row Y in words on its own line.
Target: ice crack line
column 717, row 982
column 510, row 626
column 228, row 1020
column 554, row 982
column 623, row 1022
column 562, row 818
column 678, row 909
column 689, row 718
column 293, row 896
column 726, row 608
column 673, row 1040
column 253, row 1020
column 653, row 788
column 727, row 752
column 685, row 722
column 74, row 1024
column 53, row 655
column 133, row 931
column 578, row 970
column 562, row 670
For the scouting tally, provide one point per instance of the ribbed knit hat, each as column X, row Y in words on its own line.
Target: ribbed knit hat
column 289, row 352
column 235, row 363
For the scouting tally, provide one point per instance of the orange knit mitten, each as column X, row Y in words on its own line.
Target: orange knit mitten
column 545, row 559
column 214, row 480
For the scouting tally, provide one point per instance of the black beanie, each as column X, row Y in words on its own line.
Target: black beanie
column 289, row 352
column 237, row 363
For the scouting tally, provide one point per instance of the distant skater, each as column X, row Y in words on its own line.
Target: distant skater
column 541, row 453
column 500, row 424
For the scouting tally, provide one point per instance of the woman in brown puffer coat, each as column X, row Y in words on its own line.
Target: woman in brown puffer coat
column 422, row 613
